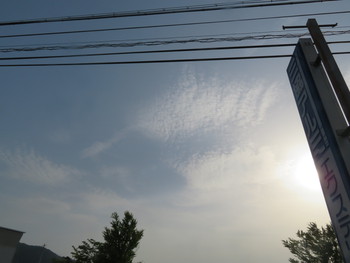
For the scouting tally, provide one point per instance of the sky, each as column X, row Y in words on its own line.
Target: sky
column 210, row 157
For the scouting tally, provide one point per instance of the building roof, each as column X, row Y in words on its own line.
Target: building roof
column 9, row 229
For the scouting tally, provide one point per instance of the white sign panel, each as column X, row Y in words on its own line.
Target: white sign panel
column 321, row 136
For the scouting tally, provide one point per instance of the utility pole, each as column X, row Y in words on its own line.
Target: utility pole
column 42, row 253
column 331, row 67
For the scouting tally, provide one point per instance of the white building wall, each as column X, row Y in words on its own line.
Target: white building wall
column 8, row 242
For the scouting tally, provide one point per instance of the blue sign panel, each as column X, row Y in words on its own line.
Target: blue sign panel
column 332, row 171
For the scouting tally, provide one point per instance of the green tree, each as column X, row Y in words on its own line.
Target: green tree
column 87, row 252
column 316, row 245
column 120, row 243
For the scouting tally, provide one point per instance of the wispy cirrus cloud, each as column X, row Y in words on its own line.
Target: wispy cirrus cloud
column 228, row 170
column 101, row 146
column 33, row 167
column 195, row 106
column 206, row 104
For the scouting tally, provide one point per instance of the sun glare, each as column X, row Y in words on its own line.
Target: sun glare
column 306, row 174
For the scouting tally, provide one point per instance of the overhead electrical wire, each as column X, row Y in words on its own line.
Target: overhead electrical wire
column 158, row 61
column 142, row 61
column 163, row 11
column 279, row 45
column 151, row 51
column 159, row 38
column 157, row 42
column 182, row 37
column 166, row 42
column 172, row 25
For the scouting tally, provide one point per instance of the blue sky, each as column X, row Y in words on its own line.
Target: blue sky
column 206, row 155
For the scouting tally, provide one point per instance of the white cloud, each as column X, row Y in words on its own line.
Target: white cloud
column 118, row 174
column 206, row 105
column 219, row 170
column 102, row 200
column 30, row 166
column 47, row 206
column 101, row 146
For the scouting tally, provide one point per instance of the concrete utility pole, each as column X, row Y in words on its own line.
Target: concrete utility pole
column 331, row 67
column 340, row 122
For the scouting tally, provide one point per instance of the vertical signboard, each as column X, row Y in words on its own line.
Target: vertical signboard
column 322, row 117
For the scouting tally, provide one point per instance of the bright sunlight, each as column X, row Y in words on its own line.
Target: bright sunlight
column 306, row 174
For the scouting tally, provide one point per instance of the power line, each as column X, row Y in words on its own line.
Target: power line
column 163, row 11
column 167, row 42
column 143, row 61
column 158, row 38
column 154, row 51
column 172, row 25
column 279, row 45
column 262, row 33
column 338, row 42
column 158, row 61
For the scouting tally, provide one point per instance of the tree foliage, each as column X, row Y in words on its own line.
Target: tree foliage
column 120, row 243
column 87, row 252
column 316, row 245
